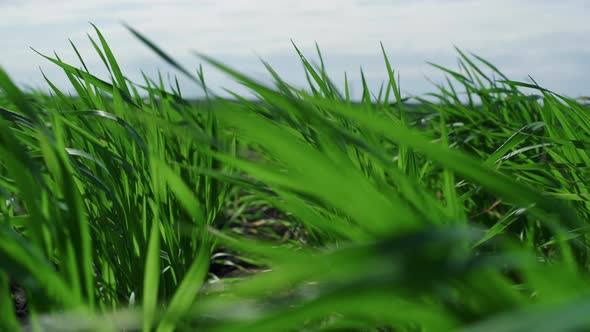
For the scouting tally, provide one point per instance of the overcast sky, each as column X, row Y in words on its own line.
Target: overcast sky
column 549, row 40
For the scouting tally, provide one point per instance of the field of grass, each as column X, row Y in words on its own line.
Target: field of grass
column 465, row 209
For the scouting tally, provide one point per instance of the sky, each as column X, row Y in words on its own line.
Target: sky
column 548, row 40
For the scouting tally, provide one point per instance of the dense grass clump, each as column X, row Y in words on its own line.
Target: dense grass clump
column 300, row 210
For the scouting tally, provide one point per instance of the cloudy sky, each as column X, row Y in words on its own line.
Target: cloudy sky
column 549, row 40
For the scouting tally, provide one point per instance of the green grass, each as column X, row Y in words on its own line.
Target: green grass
column 465, row 209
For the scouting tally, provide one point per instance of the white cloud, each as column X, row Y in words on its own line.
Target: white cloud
column 527, row 37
